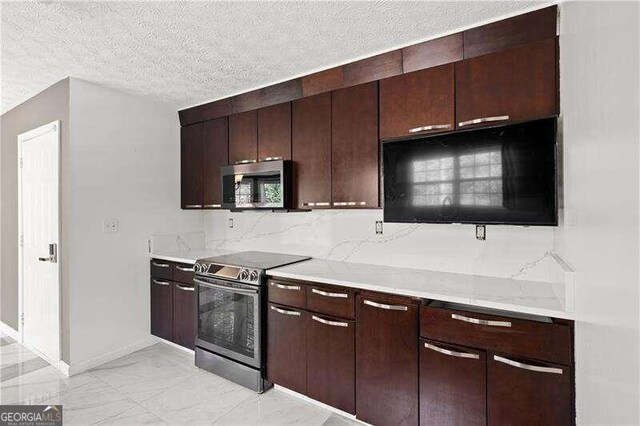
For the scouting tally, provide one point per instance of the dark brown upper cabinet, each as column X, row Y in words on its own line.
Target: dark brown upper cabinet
column 215, row 155
column 354, row 147
column 513, row 85
column 311, row 149
column 191, row 149
column 386, row 359
column 418, row 102
column 274, row 132
column 431, row 53
column 243, row 137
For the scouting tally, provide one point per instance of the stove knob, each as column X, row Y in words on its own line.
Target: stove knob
column 244, row 274
column 253, row 276
column 197, row 267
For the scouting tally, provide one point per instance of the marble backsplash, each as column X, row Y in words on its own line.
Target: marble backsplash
column 349, row 235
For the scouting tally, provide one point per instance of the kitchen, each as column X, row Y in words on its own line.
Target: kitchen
column 390, row 241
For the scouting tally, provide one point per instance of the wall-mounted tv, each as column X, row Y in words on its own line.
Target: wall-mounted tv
column 498, row 175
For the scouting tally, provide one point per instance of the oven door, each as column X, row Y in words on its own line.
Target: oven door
column 256, row 186
column 228, row 319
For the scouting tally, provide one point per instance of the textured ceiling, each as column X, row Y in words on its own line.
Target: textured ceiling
column 189, row 53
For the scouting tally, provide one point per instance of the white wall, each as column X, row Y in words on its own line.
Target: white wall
column 124, row 164
column 599, row 82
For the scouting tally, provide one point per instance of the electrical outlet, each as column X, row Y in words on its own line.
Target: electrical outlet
column 481, row 232
column 378, row 227
column 230, row 223
column 110, row 226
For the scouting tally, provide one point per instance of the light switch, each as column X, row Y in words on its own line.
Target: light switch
column 378, row 227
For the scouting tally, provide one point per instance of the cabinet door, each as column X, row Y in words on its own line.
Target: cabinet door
column 161, row 309
column 386, row 360
column 183, row 315
column 331, row 361
column 243, row 137
column 417, row 102
column 274, row 132
column 523, row 392
column 513, row 85
column 286, row 347
column 191, row 148
column 452, row 385
column 311, row 151
column 354, row 147
column 215, row 155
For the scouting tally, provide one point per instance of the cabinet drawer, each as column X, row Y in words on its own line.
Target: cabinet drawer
column 183, row 273
column 539, row 340
column 161, row 269
column 335, row 301
column 286, row 293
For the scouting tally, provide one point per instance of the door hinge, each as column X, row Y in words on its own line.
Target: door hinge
column 21, row 240
column 22, row 319
column 20, row 162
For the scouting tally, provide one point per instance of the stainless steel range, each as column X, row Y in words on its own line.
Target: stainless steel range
column 230, row 313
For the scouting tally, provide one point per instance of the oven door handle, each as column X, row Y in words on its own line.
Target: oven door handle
column 222, row 287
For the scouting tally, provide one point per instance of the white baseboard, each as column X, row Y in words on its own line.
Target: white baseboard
column 80, row 367
column 9, row 331
column 318, row 403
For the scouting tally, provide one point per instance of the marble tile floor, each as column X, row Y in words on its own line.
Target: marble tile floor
column 158, row 385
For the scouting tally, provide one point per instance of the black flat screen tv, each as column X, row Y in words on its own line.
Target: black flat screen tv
column 498, row 175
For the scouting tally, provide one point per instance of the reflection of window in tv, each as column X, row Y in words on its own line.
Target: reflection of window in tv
column 471, row 179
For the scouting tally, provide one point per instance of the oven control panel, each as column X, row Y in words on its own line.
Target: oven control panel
column 245, row 275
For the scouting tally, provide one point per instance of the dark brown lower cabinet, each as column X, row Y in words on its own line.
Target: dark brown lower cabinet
column 387, row 360
column 161, row 308
column 524, row 392
column 183, row 315
column 331, row 361
column 452, row 385
column 286, row 347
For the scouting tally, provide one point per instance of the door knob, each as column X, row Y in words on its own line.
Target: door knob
column 53, row 254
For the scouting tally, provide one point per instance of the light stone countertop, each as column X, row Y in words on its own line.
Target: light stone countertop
column 529, row 297
column 187, row 256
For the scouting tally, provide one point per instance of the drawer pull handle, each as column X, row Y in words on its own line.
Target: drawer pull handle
column 285, row 287
column 160, row 282
column 327, row 322
column 213, row 206
column 183, row 269
column 529, row 367
column 327, row 294
column 285, row 312
column 430, row 127
column 483, row 120
column 193, row 206
column 160, row 265
column 385, row 306
column 185, row 288
column 316, row 204
column 451, row 353
column 481, row 321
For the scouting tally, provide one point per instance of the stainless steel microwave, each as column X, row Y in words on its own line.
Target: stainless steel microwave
column 253, row 186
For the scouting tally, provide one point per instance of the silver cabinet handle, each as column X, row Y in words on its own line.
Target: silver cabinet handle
column 160, row 265
column 327, row 322
column 285, row 287
column 160, row 282
column 451, row 353
column 529, row 367
column 245, row 161
column 327, row 294
column 225, row 288
column 193, row 206
column 271, row 158
column 483, row 120
column 316, row 204
column 350, row 203
column 185, row 288
column 213, row 206
column 481, row 321
column 285, row 311
column 385, row 306
column 430, row 127
column 183, row 269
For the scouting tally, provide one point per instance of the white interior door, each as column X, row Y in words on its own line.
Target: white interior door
column 39, row 226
